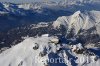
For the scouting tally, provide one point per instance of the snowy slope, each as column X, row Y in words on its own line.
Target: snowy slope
column 27, row 53
column 80, row 21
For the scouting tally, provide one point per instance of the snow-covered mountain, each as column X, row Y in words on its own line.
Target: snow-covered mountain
column 80, row 22
column 82, row 26
column 47, row 51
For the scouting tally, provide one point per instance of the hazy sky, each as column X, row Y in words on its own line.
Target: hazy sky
column 20, row 1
